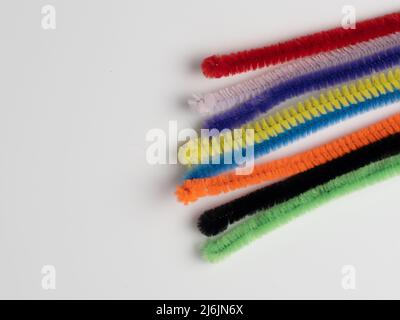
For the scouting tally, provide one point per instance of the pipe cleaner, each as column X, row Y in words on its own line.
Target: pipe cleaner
column 191, row 190
column 217, row 66
column 302, row 84
column 309, row 116
column 266, row 221
column 216, row 220
column 223, row 99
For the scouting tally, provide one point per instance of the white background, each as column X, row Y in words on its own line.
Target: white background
column 77, row 192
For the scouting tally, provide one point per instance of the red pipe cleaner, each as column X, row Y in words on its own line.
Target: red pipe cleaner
column 218, row 66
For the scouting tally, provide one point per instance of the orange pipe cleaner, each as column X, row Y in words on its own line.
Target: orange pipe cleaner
column 192, row 190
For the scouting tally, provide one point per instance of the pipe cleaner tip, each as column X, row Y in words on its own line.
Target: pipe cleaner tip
column 212, row 67
column 197, row 103
column 211, row 224
column 185, row 195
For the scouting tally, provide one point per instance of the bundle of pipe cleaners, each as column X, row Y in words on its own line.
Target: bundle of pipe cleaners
column 353, row 71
